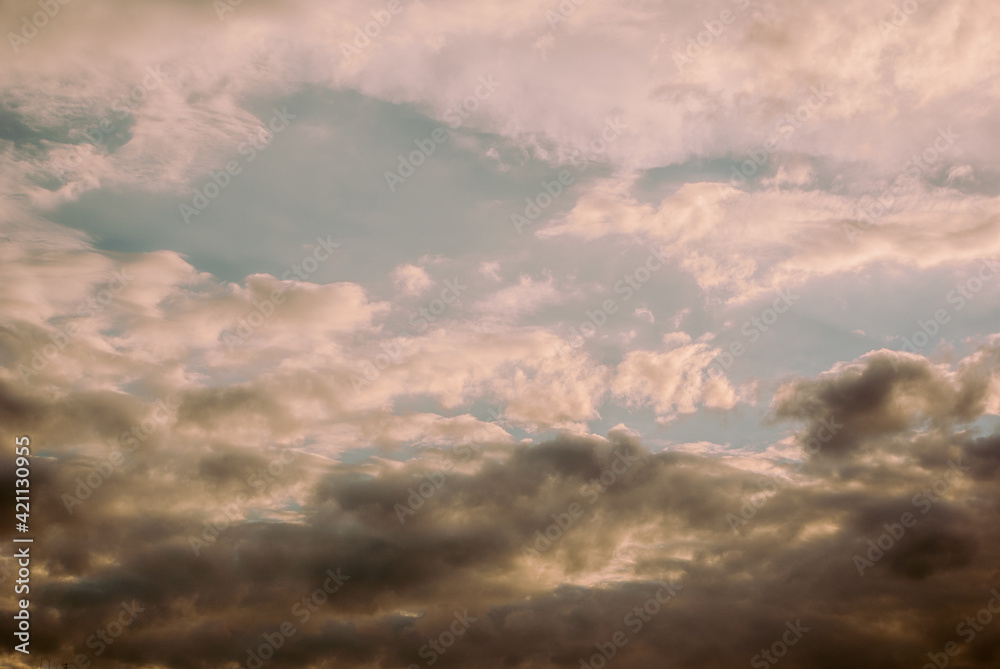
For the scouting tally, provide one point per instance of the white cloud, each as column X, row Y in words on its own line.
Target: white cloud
column 411, row 280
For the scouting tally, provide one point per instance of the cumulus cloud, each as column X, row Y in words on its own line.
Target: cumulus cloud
column 411, row 280
column 410, row 542
column 222, row 447
column 527, row 296
column 674, row 380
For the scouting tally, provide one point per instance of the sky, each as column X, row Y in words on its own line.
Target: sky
column 522, row 335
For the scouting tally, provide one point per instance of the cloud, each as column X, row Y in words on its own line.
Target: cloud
column 208, row 450
column 883, row 393
column 786, row 236
column 526, row 297
column 644, row 519
column 190, row 123
column 411, row 280
column 673, row 380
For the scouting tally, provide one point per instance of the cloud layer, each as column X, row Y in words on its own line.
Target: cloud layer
column 542, row 334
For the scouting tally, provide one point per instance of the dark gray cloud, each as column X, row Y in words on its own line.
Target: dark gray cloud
column 661, row 519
